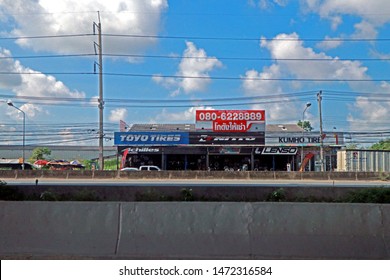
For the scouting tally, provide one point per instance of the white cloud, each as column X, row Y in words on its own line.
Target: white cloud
column 118, row 114
column 363, row 111
column 266, row 4
column 9, row 65
column 367, row 112
column 195, row 63
column 48, row 17
column 366, row 30
column 29, row 109
column 329, row 68
column 329, row 43
column 27, row 82
column 178, row 117
column 333, row 68
column 373, row 13
column 254, row 86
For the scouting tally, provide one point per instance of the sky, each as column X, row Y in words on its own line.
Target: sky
column 163, row 59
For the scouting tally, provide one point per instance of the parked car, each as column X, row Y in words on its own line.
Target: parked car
column 129, row 169
column 149, row 168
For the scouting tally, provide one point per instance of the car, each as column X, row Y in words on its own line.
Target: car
column 129, row 169
column 149, row 168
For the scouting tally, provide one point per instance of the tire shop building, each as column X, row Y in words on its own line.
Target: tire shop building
column 215, row 144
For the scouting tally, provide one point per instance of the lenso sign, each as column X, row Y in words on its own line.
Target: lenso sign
column 150, row 138
column 277, row 150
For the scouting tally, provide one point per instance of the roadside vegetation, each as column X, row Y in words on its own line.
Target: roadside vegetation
column 362, row 195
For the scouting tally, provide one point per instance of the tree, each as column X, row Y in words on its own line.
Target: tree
column 306, row 125
column 39, row 153
column 382, row 145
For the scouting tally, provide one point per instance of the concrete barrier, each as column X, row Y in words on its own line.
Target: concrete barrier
column 194, row 230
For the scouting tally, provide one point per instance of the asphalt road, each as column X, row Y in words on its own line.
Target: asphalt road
column 196, row 183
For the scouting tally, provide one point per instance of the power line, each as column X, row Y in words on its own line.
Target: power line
column 46, row 56
column 140, row 75
column 150, row 36
column 247, row 39
column 193, row 57
column 47, row 36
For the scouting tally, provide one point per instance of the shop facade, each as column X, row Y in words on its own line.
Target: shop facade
column 225, row 140
column 183, row 147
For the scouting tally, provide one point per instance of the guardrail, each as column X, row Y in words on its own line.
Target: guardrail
column 199, row 175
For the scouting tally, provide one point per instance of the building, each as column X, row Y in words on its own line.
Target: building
column 363, row 160
column 186, row 147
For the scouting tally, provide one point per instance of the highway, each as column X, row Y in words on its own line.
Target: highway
column 194, row 183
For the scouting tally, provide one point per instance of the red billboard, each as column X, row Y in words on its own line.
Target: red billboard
column 230, row 120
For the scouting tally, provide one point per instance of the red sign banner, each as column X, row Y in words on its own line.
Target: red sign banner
column 230, row 120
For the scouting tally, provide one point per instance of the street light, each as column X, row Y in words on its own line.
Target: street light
column 308, row 104
column 9, row 103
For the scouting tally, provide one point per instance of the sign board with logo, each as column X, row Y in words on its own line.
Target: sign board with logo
column 311, row 138
column 230, row 120
column 150, row 138
column 144, row 150
column 276, row 150
column 213, row 138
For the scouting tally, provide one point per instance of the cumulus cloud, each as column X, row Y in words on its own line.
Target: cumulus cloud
column 7, row 64
column 372, row 13
column 76, row 17
column 262, row 83
column 27, row 82
column 333, row 68
column 329, row 43
column 257, row 83
column 29, row 109
column 195, row 63
column 118, row 114
column 184, row 116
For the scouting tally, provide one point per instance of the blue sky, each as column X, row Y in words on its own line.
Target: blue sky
column 177, row 55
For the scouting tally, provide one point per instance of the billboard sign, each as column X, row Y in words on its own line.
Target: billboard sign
column 230, row 120
column 213, row 138
column 150, row 138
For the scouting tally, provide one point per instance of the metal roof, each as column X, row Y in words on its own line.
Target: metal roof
column 191, row 127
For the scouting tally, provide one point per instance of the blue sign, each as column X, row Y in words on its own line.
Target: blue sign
column 150, row 138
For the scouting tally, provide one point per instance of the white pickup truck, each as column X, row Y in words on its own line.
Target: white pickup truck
column 142, row 168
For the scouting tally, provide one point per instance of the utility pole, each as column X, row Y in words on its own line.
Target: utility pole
column 319, row 99
column 99, row 47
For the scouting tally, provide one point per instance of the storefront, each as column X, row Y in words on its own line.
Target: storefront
column 215, row 143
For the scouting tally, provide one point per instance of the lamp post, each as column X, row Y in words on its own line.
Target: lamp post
column 9, row 103
column 308, row 104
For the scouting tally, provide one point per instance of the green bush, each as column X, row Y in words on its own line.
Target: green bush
column 372, row 195
column 187, row 194
column 277, row 195
column 48, row 196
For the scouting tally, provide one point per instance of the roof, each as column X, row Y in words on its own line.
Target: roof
column 283, row 128
column 191, row 127
column 163, row 127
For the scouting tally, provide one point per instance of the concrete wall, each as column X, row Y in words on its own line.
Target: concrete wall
column 214, row 175
column 194, row 230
